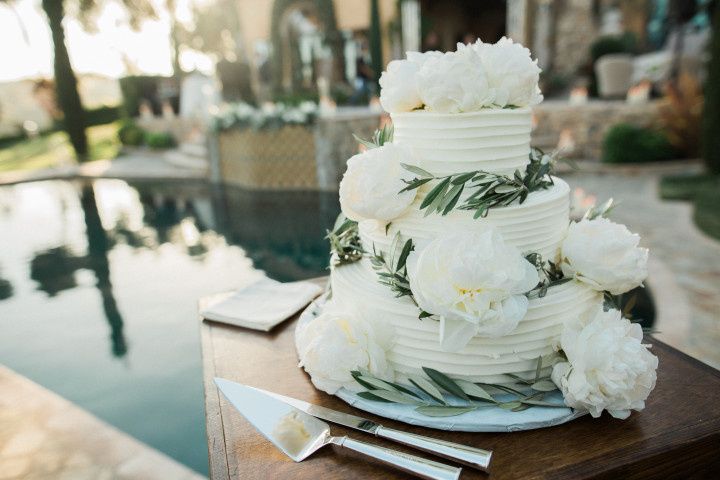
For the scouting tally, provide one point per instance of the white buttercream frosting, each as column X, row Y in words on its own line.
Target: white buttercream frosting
column 494, row 140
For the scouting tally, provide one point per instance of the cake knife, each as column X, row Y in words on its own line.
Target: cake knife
column 470, row 456
column 299, row 435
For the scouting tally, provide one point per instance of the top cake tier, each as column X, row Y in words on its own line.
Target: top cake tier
column 493, row 140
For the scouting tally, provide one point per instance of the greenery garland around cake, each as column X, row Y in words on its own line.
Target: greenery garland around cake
column 427, row 396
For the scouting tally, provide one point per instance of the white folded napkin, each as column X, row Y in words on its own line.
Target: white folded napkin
column 263, row 304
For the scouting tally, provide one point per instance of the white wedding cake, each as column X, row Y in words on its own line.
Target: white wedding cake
column 456, row 253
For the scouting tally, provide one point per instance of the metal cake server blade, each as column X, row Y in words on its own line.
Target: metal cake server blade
column 299, row 435
column 471, row 456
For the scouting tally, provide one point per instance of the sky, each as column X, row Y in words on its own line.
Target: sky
column 147, row 50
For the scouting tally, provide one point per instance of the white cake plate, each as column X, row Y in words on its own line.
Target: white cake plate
column 485, row 419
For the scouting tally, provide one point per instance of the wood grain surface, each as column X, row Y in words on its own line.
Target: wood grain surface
column 676, row 436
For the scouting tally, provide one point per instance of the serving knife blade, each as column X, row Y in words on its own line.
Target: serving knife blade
column 467, row 455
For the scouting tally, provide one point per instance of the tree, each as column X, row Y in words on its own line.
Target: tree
column 375, row 41
column 174, row 39
column 65, row 80
column 711, row 110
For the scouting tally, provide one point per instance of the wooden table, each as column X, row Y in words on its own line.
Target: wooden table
column 676, row 436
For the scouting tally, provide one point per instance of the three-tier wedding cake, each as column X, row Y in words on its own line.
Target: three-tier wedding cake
column 455, row 254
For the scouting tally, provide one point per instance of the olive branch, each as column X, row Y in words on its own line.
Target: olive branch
column 600, row 211
column 345, row 241
column 380, row 137
column 426, row 394
column 549, row 272
column 489, row 190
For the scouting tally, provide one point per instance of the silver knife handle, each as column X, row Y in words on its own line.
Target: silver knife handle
column 418, row 466
column 473, row 457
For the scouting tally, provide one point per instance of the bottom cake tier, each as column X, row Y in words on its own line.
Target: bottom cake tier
column 413, row 343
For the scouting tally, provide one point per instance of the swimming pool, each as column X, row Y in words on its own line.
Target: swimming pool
column 99, row 283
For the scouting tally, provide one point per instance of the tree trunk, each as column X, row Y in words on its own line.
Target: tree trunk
column 711, row 109
column 375, row 41
column 174, row 40
column 65, row 81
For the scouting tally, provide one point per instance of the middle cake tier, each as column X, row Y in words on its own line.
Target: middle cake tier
column 537, row 225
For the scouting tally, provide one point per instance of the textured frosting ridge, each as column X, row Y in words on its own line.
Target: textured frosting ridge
column 493, row 140
column 415, row 342
column 537, row 225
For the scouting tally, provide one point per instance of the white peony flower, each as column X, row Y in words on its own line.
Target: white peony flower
column 371, row 185
column 512, row 74
column 398, row 84
column 604, row 255
column 608, row 366
column 474, row 282
column 336, row 343
column 454, row 82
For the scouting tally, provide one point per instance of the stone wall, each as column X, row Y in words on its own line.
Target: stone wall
column 335, row 143
column 575, row 30
column 585, row 126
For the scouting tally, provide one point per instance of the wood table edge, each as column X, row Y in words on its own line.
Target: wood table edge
column 216, row 443
column 217, row 446
column 685, row 357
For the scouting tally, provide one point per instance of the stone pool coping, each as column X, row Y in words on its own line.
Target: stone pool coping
column 45, row 436
column 131, row 166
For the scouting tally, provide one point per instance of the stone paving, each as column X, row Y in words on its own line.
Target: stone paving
column 684, row 270
column 44, row 437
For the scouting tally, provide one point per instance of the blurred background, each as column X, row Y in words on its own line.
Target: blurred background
column 156, row 151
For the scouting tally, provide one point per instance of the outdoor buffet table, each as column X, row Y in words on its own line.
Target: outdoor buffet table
column 676, row 436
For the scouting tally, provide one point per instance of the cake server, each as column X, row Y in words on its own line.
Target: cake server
column 470, row 456
column 299, row 435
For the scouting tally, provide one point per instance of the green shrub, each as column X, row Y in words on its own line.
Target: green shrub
column 102, row 115
column 296, row 98
column 130, row 134
column 686, row 187
column 159, row 140
column 608, row 44
column 707, row 215
column 10, row 140
column 625, row 143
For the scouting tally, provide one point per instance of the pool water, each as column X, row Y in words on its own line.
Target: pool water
column 99, row 283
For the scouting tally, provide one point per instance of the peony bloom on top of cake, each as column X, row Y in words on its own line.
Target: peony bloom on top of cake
column 475, row 283
column 607, row 367
column 476, row 76
column 511, row 72
column 454, row 82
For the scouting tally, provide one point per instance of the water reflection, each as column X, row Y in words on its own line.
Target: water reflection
column 55, row 269
column 281, row 232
